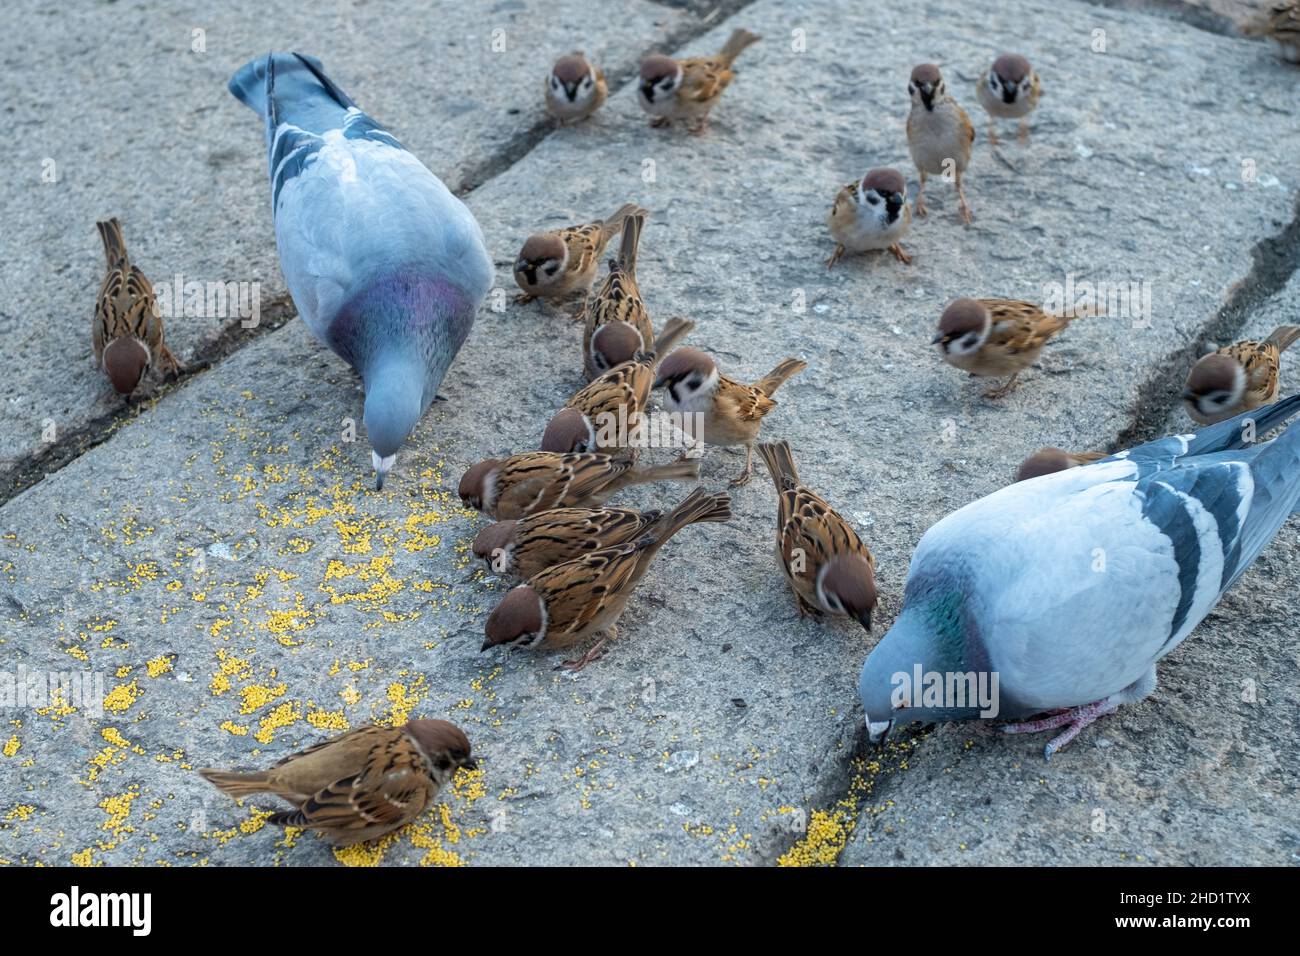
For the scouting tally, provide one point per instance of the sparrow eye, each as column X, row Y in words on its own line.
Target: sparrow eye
column 873, row 199
column 911, row 87
column 969, row 340
column 553, row 268
column 586, row 82
column 555, row 83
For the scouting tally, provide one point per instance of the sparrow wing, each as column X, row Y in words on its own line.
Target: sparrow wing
column 580, row 593
column 392, row 788
column 1261, row 361
column 627, row 385
column 1020, row 326
column 703, row 79
column 585, row 244
column 741, row 402
column 844, row 211
column 813, row 532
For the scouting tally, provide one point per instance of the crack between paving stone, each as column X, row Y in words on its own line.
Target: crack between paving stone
column 1198, row 17
column 70, row 446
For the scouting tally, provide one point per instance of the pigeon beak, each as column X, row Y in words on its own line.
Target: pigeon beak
column 877, row 732
column 382, row 466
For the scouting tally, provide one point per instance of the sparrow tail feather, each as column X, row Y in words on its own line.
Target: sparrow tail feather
column 236, row 784
column 615, row 222
column 110, row 234
column 699, row 505
column 774, row 379
column 736, row 43
column 780, row 464
column 674, row 331
column 631, row 236
column 688, row 470
column 1283, row 336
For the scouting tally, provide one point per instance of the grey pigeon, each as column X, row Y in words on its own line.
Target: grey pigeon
column 1069, row 587
column 385, row 265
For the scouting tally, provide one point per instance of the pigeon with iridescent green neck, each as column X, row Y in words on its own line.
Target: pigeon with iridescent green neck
column 1057, row 595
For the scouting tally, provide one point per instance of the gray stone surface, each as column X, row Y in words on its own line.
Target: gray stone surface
column 139, row 125
column 719, row 727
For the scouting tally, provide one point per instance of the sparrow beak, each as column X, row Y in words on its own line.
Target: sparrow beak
column 865, row 620
column 1189, row 395
column 660, row 382
column 470, row 764
column 487, row 645
column 937, row 338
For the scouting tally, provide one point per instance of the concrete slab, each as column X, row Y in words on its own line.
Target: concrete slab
column 125, row 106
column 720, row 728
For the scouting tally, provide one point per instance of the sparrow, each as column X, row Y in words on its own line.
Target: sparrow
column 539, row 480
column 1009, row 90
column 360, row 786
column 574, row 89
column 384, row 264
column 872, row 214
column 527, row 546
column 1237, row 377
column 996, row 337
column 616, row 323
column 1282, row 26
column 1009, row 587
column 606, row 413
column 1049, row 460
column 688, row 89
column 939, row 134
column 729, row 413
column 829, row 569
column 565, row 603
column 127, row 333
column 552, row 265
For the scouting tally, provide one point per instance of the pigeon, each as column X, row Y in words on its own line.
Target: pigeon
column 384, row 264
column 1060, row 593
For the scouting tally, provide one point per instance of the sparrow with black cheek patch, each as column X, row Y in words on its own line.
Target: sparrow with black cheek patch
column 568, row 602
column 995, row 337
column 1282, row 26
column 617, row 324
column 539, row 480
column 526, row 546
column 1049, row 460
column 574, row 89
column 604, row 415
column 829, row 569
column 553, row 265
column 1009, row 90
column 127, row 331
column 1237, row 377
column 939, row 134
column 871, row 214
column 729, row 412
column 688, row 89
column 362, row 785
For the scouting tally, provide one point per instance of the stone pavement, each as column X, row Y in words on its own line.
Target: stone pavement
column 219, row 558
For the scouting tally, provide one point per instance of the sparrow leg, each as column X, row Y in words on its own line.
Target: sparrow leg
column 596, row 652
column 701, row 127
column 918, row 205
column 962, row 208
column 167, row 362
column 1002, row 389
column 900, row 255
column 523, row 298
column 748, row 471
column 1073, row 719
column 1023, row 135
column 836, row 256
column 660, row 121
column 993, row 132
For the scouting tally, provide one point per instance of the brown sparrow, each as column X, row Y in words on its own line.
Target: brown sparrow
column 529, row 545
column 1282, row 26
column 552, row 265
column 731, row 412
column 1049, row 460
column 567, row 602
column 1237, row 377
column 539, row 480
column 358, row 787
column 574, row 89
column 995, row 337
column 872, row 214
column 127, row 331
column 688, row 89
column 829, row 569
column 602, row 415
column 617, row 325
column 1009, row 90
column 939, row 134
